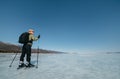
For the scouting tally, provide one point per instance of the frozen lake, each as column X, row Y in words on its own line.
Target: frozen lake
column 63, row 66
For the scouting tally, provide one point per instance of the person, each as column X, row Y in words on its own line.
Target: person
column 26, row 50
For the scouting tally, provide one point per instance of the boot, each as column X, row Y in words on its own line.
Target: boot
column 21, row 64
column 29, row 65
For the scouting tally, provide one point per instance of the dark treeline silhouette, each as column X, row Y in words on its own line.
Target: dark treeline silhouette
column 11, row 48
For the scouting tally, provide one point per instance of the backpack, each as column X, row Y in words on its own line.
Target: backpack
column 24, row 38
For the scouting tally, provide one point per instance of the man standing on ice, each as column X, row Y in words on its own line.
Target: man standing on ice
column 26, row 49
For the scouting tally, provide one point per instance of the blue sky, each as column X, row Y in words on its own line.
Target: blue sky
column 64, row 25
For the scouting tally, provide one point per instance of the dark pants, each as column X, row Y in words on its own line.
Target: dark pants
column 26, row 50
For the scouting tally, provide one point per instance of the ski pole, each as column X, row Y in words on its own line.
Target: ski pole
column 37, row 57
column 13, row 60
column 37, row 54
column 14, row 57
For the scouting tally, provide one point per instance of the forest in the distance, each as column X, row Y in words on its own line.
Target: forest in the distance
column 12, row 48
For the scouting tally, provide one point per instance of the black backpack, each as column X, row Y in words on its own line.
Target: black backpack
column 24, row 38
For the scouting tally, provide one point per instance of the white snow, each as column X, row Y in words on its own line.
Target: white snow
column 63, row 66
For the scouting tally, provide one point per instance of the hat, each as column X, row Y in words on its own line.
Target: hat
column 30, row 30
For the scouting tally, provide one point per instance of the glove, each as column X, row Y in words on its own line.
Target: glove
column 38, row 36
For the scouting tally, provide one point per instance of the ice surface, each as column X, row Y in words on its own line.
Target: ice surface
column 63, row 66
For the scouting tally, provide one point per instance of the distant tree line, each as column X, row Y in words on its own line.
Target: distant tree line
column 11, row 48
